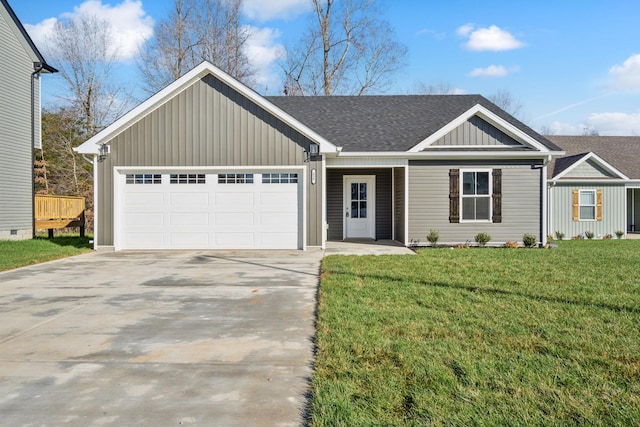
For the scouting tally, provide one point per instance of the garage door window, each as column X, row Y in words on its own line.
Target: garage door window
column 144, row 178
column 279, row 178
column 235, row 178
column 187, row 178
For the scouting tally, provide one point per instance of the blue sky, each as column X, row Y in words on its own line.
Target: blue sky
column 573, row 65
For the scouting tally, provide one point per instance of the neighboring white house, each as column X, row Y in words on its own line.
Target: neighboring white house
column 20, row 67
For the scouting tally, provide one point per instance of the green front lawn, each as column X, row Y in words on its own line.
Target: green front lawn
column 481, row 337
column 18, row 253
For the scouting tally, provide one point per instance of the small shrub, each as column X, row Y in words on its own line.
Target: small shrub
column 607, row 237
column 482, row 239
column 511, row 244
column 529, row 240
column 433, row 237
column 577, row 237
column 462, row 246
column 559, row 235
column 619, row 234
column 589, row 234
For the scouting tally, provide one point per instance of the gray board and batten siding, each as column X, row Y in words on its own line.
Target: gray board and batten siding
column 429, row 201
column 335, row 201
column 613, row 215
column 476, row 132
column 16, row 190
column 208, row 125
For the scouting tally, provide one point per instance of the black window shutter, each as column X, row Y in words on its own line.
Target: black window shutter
column 454, row 195
column 497, row 195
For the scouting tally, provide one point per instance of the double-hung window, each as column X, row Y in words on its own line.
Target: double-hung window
column 587, row 207
column 475, row 195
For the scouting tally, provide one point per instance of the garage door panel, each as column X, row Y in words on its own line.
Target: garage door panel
column 244, row 219
column 210, row 215
column 185, row 240
column 273, row 199
column 144, row 219
column 279, row 240
column 192, row 219
column 189, row 199
column 279, row 219
column 235, row 240
column 145, row 199
column 144, row 240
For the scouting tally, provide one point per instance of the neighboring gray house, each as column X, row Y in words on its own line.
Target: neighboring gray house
column 209, row 163
column 596, row 186
column 20, row 67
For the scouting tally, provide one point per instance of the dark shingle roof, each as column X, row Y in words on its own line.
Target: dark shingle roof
column 386, row 123
column 621, row 152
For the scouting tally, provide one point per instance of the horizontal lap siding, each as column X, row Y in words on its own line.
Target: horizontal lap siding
column 207, row 125
column 613, row 217
column 15, row 134
column 335, row 201
column 429, row 202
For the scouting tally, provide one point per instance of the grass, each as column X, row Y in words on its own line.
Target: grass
column 481, row 337
column 19, row 253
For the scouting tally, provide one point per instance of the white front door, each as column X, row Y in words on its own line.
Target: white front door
column 359, row 206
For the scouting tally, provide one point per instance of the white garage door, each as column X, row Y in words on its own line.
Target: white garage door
column 247, row 210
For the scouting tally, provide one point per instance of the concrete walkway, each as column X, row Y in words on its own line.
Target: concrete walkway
column 159, row 339
column 366, row 247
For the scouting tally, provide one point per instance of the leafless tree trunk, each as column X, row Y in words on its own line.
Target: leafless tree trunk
column 85, row 52
column 507, row 102
column 197, row 30
column 347, row 50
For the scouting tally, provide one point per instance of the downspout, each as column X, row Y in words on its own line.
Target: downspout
column 38, row 68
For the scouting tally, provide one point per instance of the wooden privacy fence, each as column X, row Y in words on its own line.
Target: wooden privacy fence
column 55, row 212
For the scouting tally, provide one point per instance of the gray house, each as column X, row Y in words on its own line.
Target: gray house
column 209, row 163
column 20, row 67
column 595, row 187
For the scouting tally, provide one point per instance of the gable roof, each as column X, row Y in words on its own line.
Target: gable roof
column 621, row 152
column 565, row 165
column 25, row 40
column 395, row 123
column 91, row 146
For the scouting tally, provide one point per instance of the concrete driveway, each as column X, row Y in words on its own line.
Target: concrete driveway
column 159, row 339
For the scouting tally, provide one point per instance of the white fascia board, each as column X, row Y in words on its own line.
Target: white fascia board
column 632, row 183
column 483, row 155
column 487, row 115
column 91, row 146
column 588, row 181
column 599, row 160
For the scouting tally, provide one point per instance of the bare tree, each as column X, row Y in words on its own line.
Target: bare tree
column 507, row 102
column 171, row 52
column 440, row 88
column 347, row 49
column 195, row 31
column 85, row 52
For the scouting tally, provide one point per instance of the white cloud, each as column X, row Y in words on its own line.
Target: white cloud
column 260, row 10
column 603, row 123
column 436, row 34
column 494, row 71
column 492, row 38
column 264, row 51
column 615, row 123
column 131, row 26
column 627, row 75
column 465, row 29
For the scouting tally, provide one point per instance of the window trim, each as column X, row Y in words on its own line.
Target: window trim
column 594, row 205
column 489, row 196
